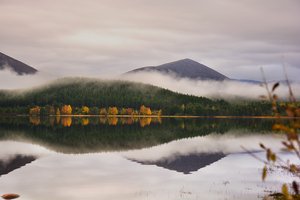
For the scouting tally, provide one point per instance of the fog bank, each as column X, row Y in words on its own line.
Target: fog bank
column 212, row 89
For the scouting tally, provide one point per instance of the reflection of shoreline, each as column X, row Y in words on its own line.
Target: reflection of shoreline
column 166, row 116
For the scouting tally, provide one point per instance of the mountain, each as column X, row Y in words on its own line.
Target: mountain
column 15, row 65
column 185, row 68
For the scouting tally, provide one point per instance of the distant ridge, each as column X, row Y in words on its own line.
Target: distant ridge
column 14, row 65
column 185, row 68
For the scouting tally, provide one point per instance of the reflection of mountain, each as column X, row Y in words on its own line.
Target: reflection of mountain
column 185, row 163
column 14, row 162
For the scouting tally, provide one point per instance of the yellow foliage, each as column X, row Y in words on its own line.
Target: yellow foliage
column 103, row 111
column 112, row 110
column 113, row 121
column 57, row 118
column 85, row 110
column 85, row 121
column 145, row 121
column 57, row 111
column 102, row 120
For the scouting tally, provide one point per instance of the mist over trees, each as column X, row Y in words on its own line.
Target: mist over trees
column 99, row 96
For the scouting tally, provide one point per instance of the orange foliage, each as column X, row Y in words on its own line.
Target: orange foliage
column 145, row 110
column 129, row 111
column 66, row 121
column 35, row 110
column 66, row 110
column 35, row 120
column 145, row 121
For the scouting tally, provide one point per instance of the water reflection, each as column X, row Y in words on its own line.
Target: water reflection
column 95, row 134
column 186, row 163
column 14, row 162
column 66, row 121
column 180, row 169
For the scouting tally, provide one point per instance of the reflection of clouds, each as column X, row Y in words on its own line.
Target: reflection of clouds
column 213, row 143
column 11, row 148
column 110, row 176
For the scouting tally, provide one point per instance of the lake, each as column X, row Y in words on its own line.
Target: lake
column 136, row 158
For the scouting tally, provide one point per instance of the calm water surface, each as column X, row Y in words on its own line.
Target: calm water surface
column 135, row 158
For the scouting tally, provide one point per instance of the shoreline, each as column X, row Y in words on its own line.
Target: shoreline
column 164, row 116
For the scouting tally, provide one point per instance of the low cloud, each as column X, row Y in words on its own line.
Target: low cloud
column 211, row 89
column 10, row 80
column 228, row 90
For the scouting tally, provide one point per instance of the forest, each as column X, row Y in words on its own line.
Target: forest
column 91, row 96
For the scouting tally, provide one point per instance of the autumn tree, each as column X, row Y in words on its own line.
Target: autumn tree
column 145, row 110
column 57, row 111
column 129, row 111
column 66, row 110
column 123, row 111
column 113, row 111
column 103, row 111
column 35, row 110
column 85, row 110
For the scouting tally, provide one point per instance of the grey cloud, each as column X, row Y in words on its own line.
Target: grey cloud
column 110, row 37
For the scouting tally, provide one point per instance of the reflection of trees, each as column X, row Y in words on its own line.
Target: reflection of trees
column 52, row 121
column 57, row 118
column 35, row 120
column 145, row 121
column 113, row 121
column 97, row 136
column 85, row 121
column 66, row 121
column 156, row 120
column 126, row 120
column 102, row 120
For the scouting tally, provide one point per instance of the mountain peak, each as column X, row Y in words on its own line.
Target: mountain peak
column 16, row 66
column 185, row 68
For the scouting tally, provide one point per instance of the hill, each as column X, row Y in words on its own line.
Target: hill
column 15, row 65
column 123, row 94
column 185, row 68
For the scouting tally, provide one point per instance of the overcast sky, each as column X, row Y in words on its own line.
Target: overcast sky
column 107, row 37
